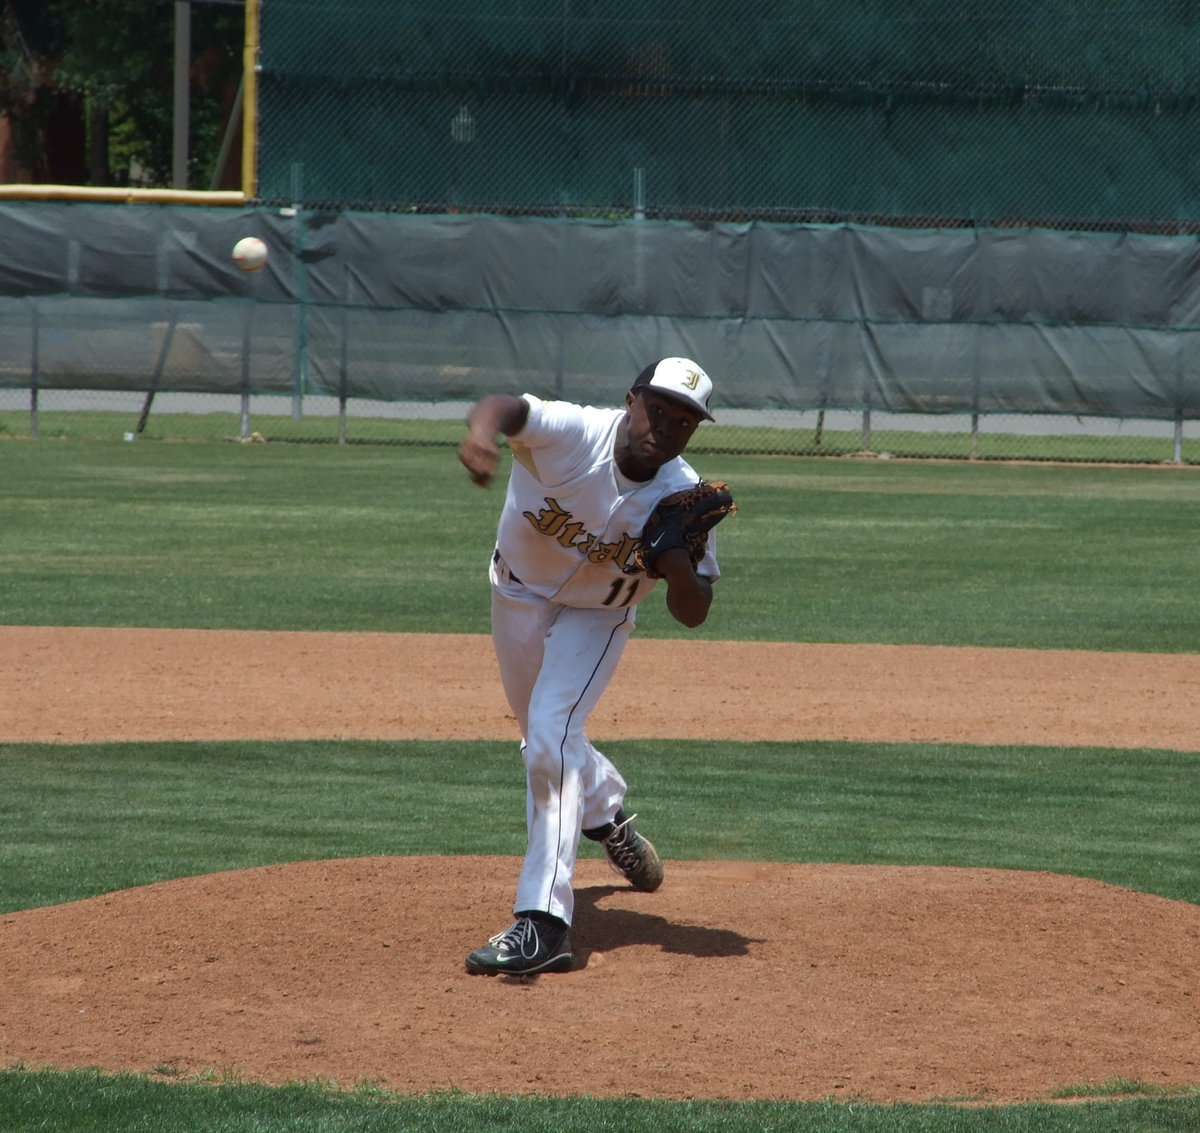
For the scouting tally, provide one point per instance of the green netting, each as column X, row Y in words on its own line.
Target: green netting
column 1066, row 112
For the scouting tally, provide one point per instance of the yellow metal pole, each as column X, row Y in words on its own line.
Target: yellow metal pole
column 127, row 196
column 250, row 103
column 183, row 92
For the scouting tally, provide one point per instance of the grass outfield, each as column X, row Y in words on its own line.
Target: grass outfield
column 326, row 537
column 397, row 539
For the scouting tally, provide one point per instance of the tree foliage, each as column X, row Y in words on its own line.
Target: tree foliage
column 106, row 67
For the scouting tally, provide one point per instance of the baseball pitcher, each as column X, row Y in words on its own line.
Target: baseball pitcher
column 600, row 508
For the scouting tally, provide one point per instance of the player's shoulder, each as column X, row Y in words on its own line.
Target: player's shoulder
column 553, row 417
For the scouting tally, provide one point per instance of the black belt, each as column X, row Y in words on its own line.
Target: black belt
column 512, row 577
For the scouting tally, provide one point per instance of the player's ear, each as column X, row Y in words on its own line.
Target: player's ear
column 630, row 398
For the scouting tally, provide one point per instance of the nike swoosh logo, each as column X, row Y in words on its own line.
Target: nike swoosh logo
column 657, row 539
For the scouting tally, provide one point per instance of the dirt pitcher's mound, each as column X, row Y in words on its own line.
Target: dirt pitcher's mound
column 732, row 981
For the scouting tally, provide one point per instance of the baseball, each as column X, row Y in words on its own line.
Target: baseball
column 249, row 253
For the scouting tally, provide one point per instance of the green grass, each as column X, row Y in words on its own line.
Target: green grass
column 86, row 1102
column 396, row 539
column 82, row 1102
column 988, row 446
column 86, row 819
column 107, row 425
column 251, row 536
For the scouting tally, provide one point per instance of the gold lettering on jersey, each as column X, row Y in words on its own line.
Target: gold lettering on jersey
column 557, row 523
column 613, row 552
column 551, row 519
column 570, row 533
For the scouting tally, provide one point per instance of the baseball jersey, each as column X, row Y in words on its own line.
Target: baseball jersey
column 571, row 521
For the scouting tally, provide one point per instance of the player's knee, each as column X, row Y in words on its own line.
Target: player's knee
column 550, row 750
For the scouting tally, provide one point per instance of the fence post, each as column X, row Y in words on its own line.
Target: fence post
column 976, row 389
column 344, row 356
column 1179, row 341
column 300, row 276
column 34, row 369
column 247, row 321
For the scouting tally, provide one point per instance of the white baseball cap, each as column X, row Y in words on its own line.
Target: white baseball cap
column 680, row 379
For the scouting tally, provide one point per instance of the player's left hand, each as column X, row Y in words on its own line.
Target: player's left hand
column 683, row 521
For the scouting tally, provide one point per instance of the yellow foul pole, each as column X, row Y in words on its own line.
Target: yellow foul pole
column 250, row 103
column 126, row 196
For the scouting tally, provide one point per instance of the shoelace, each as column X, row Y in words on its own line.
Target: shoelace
column 517, row 937
column 621, row 845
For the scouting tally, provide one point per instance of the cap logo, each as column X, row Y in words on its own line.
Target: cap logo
column 680, row 378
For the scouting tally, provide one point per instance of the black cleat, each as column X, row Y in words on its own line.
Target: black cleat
column 523, row 949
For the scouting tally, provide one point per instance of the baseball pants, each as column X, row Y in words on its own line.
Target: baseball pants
column 555, row 663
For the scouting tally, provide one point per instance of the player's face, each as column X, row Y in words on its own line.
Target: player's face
column 657, row 429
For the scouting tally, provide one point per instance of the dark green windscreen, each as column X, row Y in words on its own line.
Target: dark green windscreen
column 1074, row 112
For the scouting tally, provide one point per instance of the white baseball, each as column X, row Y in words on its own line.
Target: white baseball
column 249, row 253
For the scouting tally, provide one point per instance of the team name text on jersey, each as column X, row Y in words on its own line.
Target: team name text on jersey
column 557, row 523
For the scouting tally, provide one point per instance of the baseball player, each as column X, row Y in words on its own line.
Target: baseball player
column 565, row 589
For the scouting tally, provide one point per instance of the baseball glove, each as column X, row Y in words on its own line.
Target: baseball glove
column 683, row 520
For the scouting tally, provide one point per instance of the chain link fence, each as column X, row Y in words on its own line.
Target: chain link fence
column 1066, row 113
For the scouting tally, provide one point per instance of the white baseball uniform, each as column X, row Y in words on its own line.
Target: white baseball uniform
column 562, row 610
